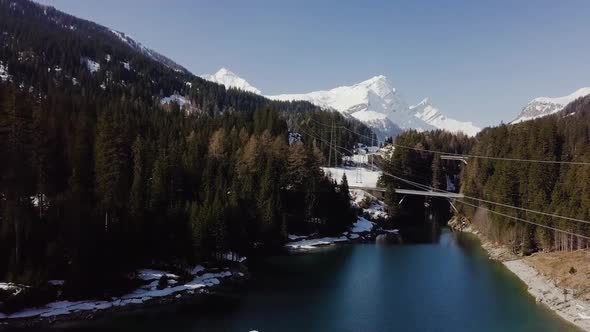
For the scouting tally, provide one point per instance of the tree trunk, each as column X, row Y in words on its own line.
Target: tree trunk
column 17, row 243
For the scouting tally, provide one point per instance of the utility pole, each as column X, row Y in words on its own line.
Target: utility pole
column 335, row 150
column 371, row 156
column 331, row 144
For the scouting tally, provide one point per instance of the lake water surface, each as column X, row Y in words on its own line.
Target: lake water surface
column 449, row 285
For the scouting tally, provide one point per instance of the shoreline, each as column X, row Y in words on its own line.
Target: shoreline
column 544, row 290
column 238, row 277
column 363, row 230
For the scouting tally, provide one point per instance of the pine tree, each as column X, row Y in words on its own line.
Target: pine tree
column 137, row 199
column 112, row 180
column 344, row 191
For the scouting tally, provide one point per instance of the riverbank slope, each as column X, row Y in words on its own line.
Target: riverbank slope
column 559, row 280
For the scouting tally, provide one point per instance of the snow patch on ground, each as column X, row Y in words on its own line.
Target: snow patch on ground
column 126, row 65
column 197, row 269
column 11, row 287
column 175, row 98
column 362, row 226
column 376, row 210
column 356, row 176
column 91, row 65
column 312, row 243
column 233, row 257
column 294, row 138
column 301, row 242
column 293, row 237
column 148, row 274
column 4, row 72
column 138, row 296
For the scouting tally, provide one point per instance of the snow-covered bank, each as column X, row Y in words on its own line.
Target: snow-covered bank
column 371, row 206
column 360, row 228
column 313, row 243
column 363, row 228
column 202, row 279
column 362, row 225
column 10, row 287
column 545, row 291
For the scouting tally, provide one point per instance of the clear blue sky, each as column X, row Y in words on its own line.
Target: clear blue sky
column 477, row 60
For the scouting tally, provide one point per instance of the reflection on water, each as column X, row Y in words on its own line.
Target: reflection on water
column 447, row 285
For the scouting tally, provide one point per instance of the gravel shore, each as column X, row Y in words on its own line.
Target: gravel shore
column 542, row 288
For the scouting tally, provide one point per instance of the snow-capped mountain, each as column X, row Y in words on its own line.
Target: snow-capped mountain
column 430, row 114
column 544, row 106
column 374, row 101
column 378, row 104
column 230, row 80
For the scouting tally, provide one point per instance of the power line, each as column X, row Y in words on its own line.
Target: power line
column 327, row 142
column 359, row 175
column 472, row 155
column 493, row 158
column 529, row 210
column 425, row 187
column 343, row 127
column 331, row 142
column 526, row 221
column 490, row 202
column 415, row 184
column 422, row 186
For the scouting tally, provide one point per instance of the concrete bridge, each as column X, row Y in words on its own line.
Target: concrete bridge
column 380, row 192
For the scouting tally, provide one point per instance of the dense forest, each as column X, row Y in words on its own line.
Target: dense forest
column 103, row 187
column 551, row 188
column 412, row 162
column 562, row 189
column 99, row 176
column 45, row 51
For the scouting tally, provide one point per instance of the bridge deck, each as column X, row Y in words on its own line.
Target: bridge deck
column 429, row 193
column 413, row 192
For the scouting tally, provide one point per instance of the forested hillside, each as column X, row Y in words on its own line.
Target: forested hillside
column 412, row 162
column 89, row 184
column 114, row 157
column 562, row 189
column 535, row 172
column 44, row 51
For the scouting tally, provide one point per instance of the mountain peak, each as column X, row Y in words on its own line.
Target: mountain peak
column 379, row 82
column 543, row 106
column 430, row 114
column 378, row 104
column 224, row 71
column 374, row 79
column 229, row 79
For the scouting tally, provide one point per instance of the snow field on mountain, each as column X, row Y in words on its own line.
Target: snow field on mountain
column 374, row 101
column 543, row 106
